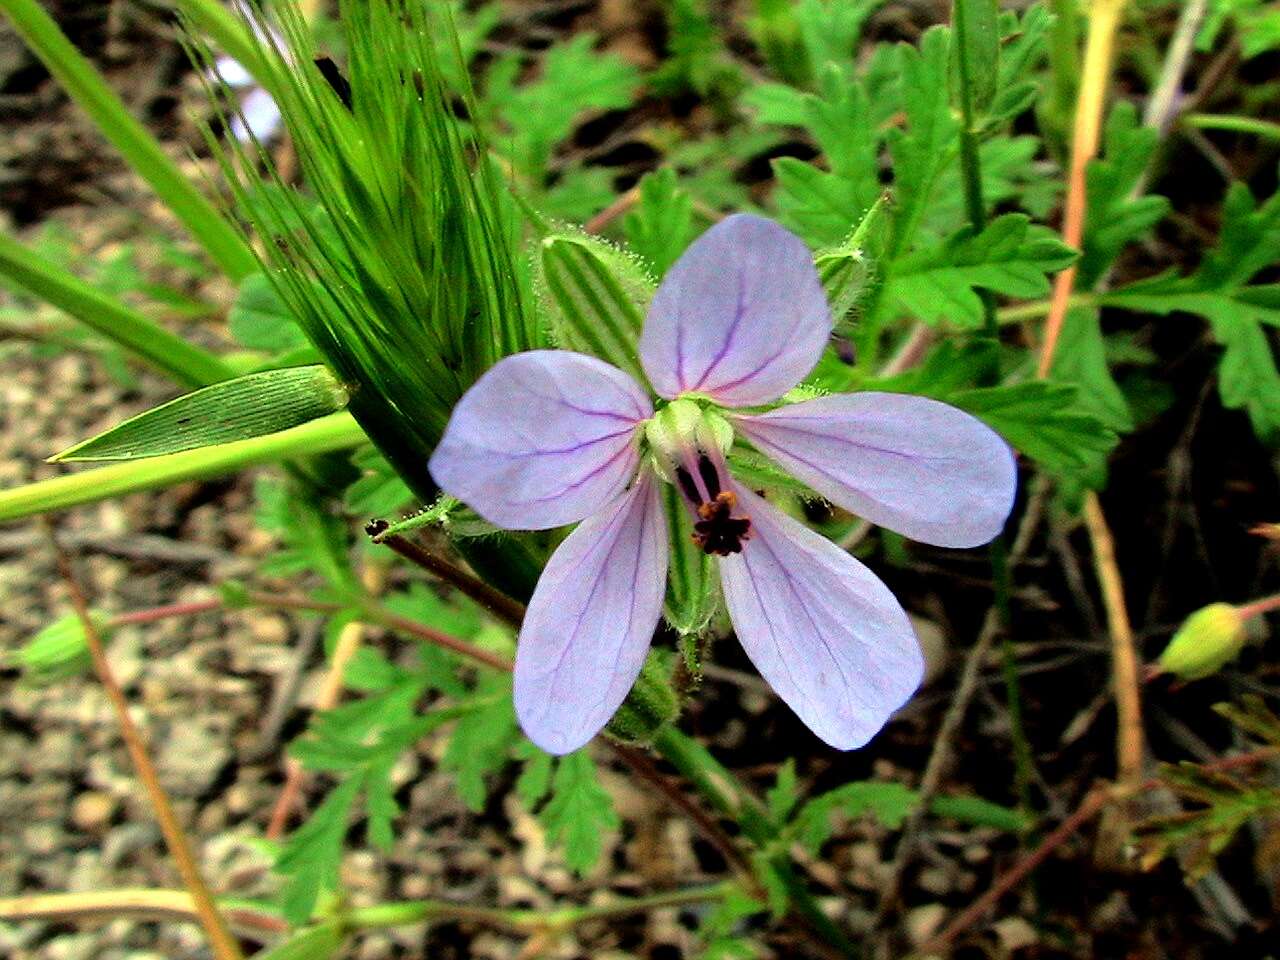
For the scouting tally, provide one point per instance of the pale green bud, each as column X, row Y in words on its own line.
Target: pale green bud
column 651, row 704
column 682, row 427
column 59, row 651
column 1207, row 641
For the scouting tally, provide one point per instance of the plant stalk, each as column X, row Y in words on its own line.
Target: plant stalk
column 86, row 86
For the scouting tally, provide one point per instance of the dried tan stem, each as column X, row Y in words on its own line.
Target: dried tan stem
column 221, row 941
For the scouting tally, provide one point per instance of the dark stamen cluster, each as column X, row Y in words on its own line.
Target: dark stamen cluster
column 719, row 531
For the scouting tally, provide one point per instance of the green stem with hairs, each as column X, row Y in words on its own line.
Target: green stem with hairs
column 337, row 431
column 86, row 86
column 524, row 921
column 1219, row 121
column 997, row 552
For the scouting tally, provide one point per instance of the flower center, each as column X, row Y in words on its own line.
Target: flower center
column 688, row 446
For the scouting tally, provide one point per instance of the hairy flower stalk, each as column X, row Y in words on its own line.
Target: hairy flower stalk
column 551, row 437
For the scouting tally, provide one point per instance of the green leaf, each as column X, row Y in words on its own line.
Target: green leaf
column 888, row 802
column 975, row 56
column 479, row 746
column 821, row 207
column 379, row 491
column 1247, row 377
column 830, row 29
column 782, row 797
column 1219, row 291
column 1114, row 217
column 1011, row 256
column 311, row 858
column 1046, row 421
column 579, row 812
column 316, row 943
column 335, row 432
column 574, row 79
column 1021, row 53
column 260, row 319
column 927, row 146
column 979, row 812
column 1081, row 359
column 661, row 225
column 595, row 297
column 241, row 409
column 535, row 777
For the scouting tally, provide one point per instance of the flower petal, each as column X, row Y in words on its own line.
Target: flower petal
column 590, row 620
column 741, row 316
column 820, row 627
column 542, row 439
column 231, row 71
column 259, row 117
column 917, row 466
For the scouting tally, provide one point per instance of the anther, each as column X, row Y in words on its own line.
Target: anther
column 688, row 486
column 710, row 476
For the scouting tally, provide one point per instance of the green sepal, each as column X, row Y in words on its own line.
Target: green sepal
column 250, row 406
column 651, row 704
column 849, row 271
column 693, row 592
column 59, row 651
column 595, row 296
column 317, row 943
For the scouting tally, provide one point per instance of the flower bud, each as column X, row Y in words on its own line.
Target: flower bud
column 651, row 704
column 59, row 651
column 680, row 429
column 1207, row 641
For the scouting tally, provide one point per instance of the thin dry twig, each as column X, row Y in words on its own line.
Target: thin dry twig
column 495, row 601
column 221, row 941
column 1104, row 20
column 1094, row 802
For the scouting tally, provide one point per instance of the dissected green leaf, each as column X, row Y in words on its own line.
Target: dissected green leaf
column 579, row 812
column 535, row 777
column 1081, row 359
column 938, row 283
column 260, row 319
column 574, row 79
column 782, row 797
column 888, row 802
column 1114, row 217
column 1046, row 421
column 926, row 147
column 1220, row 292
column 979, row 812
column 661, row 225
column 312, row 855
column 480, row 745
column 239, row 409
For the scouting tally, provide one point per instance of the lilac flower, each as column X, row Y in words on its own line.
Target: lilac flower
column 551, row 437
column 259, row 117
